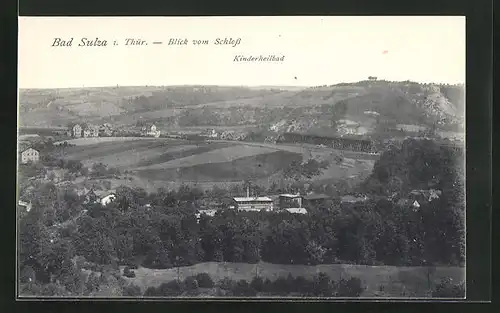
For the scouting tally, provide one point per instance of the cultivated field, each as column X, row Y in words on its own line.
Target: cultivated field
column 221, row 155
column 150, row 162
column 386, row 281
column 95, row 140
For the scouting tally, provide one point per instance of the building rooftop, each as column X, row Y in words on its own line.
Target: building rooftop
column 22, row 149
column 316, row 196
column 241, row 199
column 297, row 210
column 288, row 195
column 23, row 203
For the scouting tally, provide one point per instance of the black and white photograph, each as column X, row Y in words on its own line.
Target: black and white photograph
column 281, row 158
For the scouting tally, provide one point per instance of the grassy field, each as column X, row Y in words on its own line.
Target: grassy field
column 96, row 140
column 153, row 162
column 382, row 281
column 249, row 167
column 217, row 155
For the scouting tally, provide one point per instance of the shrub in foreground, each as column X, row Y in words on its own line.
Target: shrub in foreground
column 257, row 284
column 127, row 272
column 132, row 291
column 349, row 287
column 446, row 289
column 204, row 280
column 171, row 289
column 243, row 289
column 191, row 283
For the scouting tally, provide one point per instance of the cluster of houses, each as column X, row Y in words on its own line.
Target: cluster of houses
column 83, row 130
column 89, row 130
column 292, row 203
column 301, row 204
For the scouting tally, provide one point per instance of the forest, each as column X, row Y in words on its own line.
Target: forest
column 160, row 230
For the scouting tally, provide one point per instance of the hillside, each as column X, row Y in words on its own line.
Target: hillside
column 357, row 108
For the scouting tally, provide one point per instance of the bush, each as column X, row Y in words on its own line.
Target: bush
column 349, row 287
column 90, row 266
column 28, row 275
column 53, row 290
column 339, row 159
column 303, row 286
column 204, row 280
column 257, row 284
column 323, row 286
column 267, row 286
column 243, row 289
column 73, row 166
column 191, row 283
column 226, row 284
column 30, row 289
column 281, row 286
column 128, row 273
column 92, row 284
column 129, row 263
column 157, row 260
column 84, row 171
column 99, row 170
column 152, row 292
column 171, row 288
column 446, row 289
column 132, row 291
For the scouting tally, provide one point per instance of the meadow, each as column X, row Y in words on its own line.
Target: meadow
column 380, row 281
column 153, row 161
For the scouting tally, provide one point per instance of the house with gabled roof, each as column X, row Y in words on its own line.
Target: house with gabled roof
column 316, row 200
column 150, row 129
column 90, row 130
column 287, row 201
column 29, row 155
column 75, row 130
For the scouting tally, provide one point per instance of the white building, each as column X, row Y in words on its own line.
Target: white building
column 287, row 201
column 108, row 199
column 297, row 210
column 209, row 212
column 253, row 203
column 151, row 130
column 25, row 205
column 30, row 155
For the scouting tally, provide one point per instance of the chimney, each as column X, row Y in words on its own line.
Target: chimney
column 248, row 191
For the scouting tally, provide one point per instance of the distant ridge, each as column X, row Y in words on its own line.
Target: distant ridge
column 333, row 108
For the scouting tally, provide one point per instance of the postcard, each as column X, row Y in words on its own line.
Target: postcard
column 226, row 158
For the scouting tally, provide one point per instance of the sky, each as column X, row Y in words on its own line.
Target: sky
column 317, row 51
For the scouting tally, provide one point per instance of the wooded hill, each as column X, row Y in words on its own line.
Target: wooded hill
column 316, row 109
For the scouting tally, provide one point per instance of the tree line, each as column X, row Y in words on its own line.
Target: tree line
column 321, row 285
